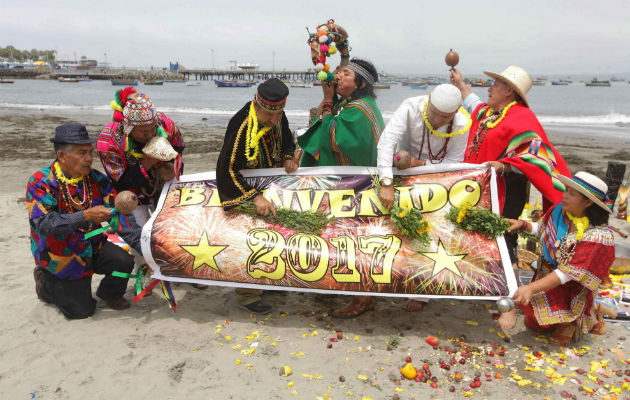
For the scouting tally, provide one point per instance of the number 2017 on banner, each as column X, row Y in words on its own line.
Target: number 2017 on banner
column 308, row 256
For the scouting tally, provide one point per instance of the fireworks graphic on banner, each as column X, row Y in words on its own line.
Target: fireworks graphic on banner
column 362, row 251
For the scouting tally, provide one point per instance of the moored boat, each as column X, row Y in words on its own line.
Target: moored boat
column 175, row 80
column 301, row 84
column 154, row 82
column 5, row 81
column 417, row 85
column 193, row 83
column 68, row 80
column 596, row 82
column 539, row 82
column 481, row 83
column 224, row 83
column 124, row 82
column 559, row 83
column 381, row 86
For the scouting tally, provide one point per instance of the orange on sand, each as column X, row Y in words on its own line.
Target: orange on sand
column 408, row 371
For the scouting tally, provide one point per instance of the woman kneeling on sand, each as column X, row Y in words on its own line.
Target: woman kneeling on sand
column 577, row 250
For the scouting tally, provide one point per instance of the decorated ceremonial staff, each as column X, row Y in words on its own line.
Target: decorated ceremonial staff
column 506, row 135
column 258, row 136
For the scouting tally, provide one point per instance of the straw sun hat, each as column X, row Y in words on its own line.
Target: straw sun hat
column 590, row 186
column 515, row 77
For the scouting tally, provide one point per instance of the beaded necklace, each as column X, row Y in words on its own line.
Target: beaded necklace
column 251, row 140
column 580, row 225
column 66, row 196
column 441, row 154
column 491, row 120
column 62, row 178
column 565, row 251
column 448, row 134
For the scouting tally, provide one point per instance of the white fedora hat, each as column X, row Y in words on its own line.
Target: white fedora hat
column 590, row 186
column 517, row 78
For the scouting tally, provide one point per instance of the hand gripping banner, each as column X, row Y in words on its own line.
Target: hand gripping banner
column 191, row 239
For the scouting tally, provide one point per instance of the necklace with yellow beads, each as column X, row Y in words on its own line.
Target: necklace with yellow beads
column 448, row 134
column 485, row 125
column 492, row 124
column 66, row 195
column 253, row 135
column 565, row 251
column 580, row 225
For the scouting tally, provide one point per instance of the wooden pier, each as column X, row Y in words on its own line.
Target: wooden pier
column 247, row 75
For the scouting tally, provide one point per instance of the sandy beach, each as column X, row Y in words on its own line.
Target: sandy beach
column 211, row 349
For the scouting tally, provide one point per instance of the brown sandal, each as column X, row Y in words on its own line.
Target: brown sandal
column 563, row 334
column 358, row 306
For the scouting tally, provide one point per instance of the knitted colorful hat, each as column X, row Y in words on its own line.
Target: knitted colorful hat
column 138, row 111
column 133, row 109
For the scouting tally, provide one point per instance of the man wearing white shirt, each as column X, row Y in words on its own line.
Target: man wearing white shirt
column 434, row 130
column 442, row 140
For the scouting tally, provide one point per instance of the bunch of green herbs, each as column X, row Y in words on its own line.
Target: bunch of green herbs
column 478, row 219
column 303, row 221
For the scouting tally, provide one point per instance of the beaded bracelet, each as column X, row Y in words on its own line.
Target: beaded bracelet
column 524, row 227
column 144, row 172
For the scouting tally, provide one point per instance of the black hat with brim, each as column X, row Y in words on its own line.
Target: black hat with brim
column 73, row 133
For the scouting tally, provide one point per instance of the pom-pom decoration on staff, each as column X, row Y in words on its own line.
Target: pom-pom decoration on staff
column 329, row 39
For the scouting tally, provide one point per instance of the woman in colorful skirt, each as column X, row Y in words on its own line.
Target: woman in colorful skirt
column 577, row 250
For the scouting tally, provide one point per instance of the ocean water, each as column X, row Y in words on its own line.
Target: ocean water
column 572, row 105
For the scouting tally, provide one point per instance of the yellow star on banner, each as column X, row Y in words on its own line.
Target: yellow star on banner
column 204, row 253
column 444, row 260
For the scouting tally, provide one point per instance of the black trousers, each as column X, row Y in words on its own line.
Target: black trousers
column 74, row 297
column 516, row 195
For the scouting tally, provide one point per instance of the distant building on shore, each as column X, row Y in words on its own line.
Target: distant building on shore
column 237, row 66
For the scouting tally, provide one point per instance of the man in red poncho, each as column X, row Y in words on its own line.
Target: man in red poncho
column 506, row 135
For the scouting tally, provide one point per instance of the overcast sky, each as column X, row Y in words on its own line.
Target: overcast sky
column 545, row 37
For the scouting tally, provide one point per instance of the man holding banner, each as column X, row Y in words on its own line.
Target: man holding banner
column 434, row 130
column 258, row 136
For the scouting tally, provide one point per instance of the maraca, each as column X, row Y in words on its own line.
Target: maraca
column 402, row 159
column 452, row 59
column 126, row 202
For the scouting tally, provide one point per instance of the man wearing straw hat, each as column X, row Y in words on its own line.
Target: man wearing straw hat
column 434, row 130
column 506, row 135
column 66, row 200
